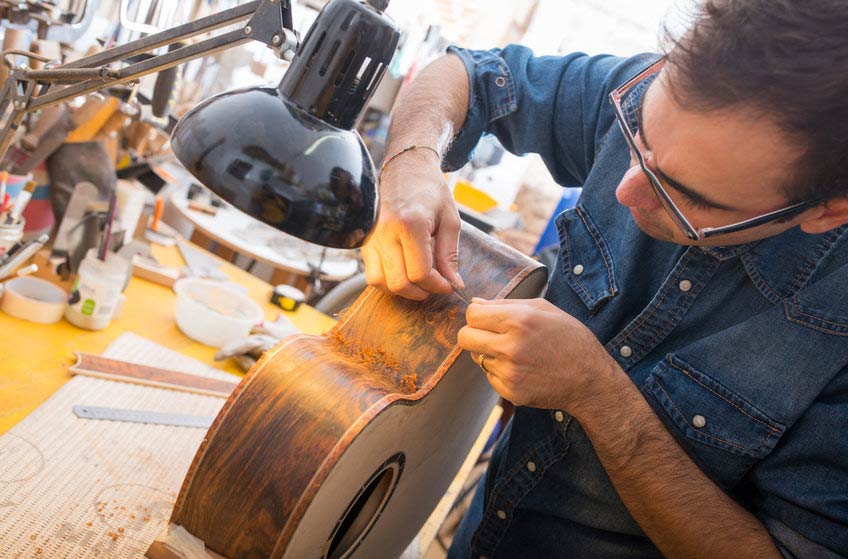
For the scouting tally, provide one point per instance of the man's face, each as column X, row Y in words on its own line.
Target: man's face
column 719, row 167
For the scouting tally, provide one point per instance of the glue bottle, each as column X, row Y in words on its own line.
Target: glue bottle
column 96, row 291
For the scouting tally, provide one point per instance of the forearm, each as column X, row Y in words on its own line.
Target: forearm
column 683, row 512
column 414, row 248
column 431, row 108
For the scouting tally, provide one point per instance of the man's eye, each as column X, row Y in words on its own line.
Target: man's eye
column 695, row 204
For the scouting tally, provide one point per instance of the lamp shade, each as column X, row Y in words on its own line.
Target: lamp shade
column 288, row 155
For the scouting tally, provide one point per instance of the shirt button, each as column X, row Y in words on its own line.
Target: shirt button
column 685, row 285
column 500, row 81
column 625, row 351
column 699, row 421
column 578, row 269
column 502, row 515
column 559, row 416
column 531, row 466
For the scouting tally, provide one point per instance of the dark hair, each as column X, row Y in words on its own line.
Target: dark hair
column 787, row 59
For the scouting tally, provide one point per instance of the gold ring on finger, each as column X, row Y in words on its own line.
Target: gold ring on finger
column 482, row 362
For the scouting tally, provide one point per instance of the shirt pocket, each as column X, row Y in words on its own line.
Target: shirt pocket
column 587, row 265
column 821, row 307
column 720, row 430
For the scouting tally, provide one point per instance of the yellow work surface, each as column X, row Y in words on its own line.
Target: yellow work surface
column 34, row 358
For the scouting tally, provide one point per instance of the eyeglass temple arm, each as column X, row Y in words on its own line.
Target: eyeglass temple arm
column 755, row 221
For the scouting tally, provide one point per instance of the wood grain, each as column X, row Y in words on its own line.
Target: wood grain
column 123, row 371
column 297, row 422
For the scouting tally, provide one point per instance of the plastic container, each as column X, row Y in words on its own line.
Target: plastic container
column 213, row 313
column 96, row 291
column 11, row 234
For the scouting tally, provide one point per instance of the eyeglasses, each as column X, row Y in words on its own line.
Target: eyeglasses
column 676, row 215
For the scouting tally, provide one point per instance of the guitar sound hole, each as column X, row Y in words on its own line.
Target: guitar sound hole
column 365, row 509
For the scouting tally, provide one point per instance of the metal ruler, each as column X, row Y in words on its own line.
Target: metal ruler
column 143, row 416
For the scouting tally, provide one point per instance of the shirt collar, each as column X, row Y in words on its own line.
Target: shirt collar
column 723, row 253
column 783, row 264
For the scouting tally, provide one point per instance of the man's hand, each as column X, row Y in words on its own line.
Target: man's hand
column 414, row 245
column 536, row 354
column 539, row 356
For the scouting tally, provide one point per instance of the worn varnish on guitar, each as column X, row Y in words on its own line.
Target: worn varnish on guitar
column 341, row 445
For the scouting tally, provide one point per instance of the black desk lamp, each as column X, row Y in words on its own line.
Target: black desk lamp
column 287, row 155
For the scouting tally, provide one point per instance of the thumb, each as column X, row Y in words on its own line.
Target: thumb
column 446, row 250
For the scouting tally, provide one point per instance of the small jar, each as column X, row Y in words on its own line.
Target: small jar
column 96, row 291
column 11, row 234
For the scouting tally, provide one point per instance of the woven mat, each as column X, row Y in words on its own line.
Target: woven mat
column 81, row 488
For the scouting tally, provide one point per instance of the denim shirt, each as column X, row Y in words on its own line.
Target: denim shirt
column 741, row 351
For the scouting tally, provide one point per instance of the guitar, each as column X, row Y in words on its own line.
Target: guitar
column 341, row 445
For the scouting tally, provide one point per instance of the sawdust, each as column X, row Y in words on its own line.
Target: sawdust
column 409, row 382
column 376, row 359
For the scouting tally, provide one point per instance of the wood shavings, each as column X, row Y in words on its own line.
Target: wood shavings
column 376, row 359
column 409, row 382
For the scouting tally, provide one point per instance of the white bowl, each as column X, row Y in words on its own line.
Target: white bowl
column 213, row 313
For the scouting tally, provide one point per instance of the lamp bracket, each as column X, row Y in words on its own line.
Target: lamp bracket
column 272, row 24
column 27, row 90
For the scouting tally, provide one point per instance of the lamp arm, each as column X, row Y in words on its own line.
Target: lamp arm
column 270, row 22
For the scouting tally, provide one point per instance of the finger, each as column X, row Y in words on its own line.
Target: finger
column 499, row 386
column 493, row 318
column 374, row 274
column 446, row 249
column 480, row 341
column 483, row 301
column 489, row 361
column 537, row 303
column 500, row 316
column 394, row 269
column 418, row 254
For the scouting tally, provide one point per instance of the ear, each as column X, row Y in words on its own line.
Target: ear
column 830, row 216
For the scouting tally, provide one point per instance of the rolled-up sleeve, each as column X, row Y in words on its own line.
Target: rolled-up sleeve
column 802, row 486
column 555, row 106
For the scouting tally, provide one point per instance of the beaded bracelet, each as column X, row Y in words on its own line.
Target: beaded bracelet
column 404, row 150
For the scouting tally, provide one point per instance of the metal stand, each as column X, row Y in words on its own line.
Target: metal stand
column 27, row 90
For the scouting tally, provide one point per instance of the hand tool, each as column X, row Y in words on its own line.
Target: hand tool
column 143, row 416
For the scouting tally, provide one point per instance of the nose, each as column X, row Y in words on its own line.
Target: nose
column 635, row 190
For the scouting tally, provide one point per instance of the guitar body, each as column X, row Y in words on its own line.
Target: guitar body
column 341, row 445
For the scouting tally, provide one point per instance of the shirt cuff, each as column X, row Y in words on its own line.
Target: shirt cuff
column 491, row 96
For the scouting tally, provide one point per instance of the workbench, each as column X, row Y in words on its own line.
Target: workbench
column 36, row 357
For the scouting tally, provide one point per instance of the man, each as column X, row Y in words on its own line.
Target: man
column 683, row 387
